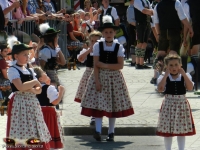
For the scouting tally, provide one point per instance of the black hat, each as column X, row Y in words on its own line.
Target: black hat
column 46, row 31
column 49, row 32
column 107, row 23
column 17, row 48
column 37, row 32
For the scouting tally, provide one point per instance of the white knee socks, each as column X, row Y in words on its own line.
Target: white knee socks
column 180, row 140
column 168, row 143
column 111, row 125
column 98, row 124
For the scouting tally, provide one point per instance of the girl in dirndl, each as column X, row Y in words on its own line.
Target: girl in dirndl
column 106, row 93
column 48, row 99
column 88, row 55
column 25, row 121
column 50, row 54
column 175, row 118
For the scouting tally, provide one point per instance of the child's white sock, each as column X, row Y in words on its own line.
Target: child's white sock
column 181, row 142
column 98, row 124
column 168, row 143
column 111, row 125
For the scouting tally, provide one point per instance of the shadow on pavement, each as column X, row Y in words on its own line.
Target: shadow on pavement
column 91, row 143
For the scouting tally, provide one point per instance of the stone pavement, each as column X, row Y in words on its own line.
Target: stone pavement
column 146, row 102
column 122, row 142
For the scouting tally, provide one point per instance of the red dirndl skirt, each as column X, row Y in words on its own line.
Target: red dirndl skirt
column 50, row 118
column 43, row 146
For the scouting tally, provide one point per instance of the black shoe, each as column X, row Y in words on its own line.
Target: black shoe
column 97, row 136
column 146, row 67
column 153, row 81
column 57, row 106
column 132, row 64
column 110, row 137
column 139, row 67
column 92, row 122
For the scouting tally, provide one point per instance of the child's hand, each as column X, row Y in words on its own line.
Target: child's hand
column 167, row 72
column 100, row 65
column 185, row 44
column 99, row 11
column 37, row 88
column 98, row 86
column 37, row 84
column 48, row 82
column 61, row 88
column 91, row 49
column 181, row 71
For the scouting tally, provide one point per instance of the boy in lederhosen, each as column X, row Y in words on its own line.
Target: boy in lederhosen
column 143, row 13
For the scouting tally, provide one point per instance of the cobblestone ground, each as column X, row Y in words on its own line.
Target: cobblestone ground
column 121, row 142
column 146, row 102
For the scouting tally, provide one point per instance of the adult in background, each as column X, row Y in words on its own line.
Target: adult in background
column 143, row 13
column 95, row 4
column 132, row 22
column 168, row 15
column 8, row 8
column 88, row 5
column 191, row 9
column 50, row 9
column 4, row 82
column 2, row 19
column 106, row 9
column 183, row 2
column 5, row 88
column 72, row 41
column 35, row 10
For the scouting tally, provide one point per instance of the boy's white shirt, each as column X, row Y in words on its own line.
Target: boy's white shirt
column 52, row 93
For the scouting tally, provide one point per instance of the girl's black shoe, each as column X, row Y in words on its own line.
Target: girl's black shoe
column 92, row 122
column 153, row 81
column 110, row 137
column 97, row 136
column 132, row 64
column 57, row 106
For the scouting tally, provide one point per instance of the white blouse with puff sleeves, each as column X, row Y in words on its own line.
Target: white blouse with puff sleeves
column 14, row 74
column 108, row 48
